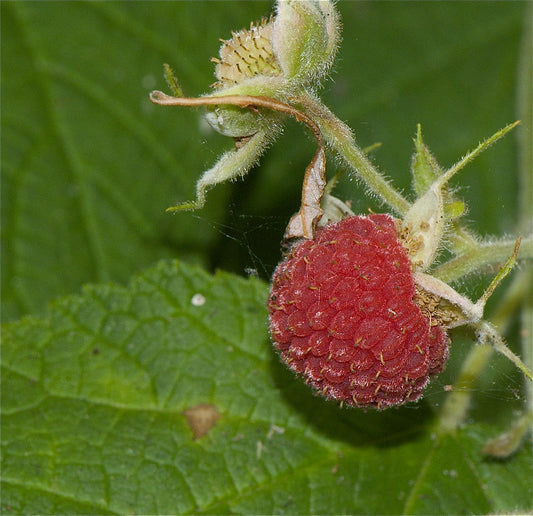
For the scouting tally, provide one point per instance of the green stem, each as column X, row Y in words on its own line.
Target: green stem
column 461, row 239
column 527, row 334
column 455, row 408
column 520, row 295
column 525, row 169
column 341, row 140
column 491, row 334
column 481, row 255
column 507, row 443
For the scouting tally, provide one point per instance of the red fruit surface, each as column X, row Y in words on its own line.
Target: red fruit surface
column 343, row 315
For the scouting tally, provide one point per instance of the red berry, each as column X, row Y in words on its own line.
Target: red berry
column 343, row 314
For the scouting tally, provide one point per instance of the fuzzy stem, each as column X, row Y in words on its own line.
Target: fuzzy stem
column 504, row 271
column 461, row 239
column 341, row 140
column 525, row 169
column 244, row 101
column 527, row 334
column 487, row 331
column 455, row 408
column 508, row 442
column 481, row 255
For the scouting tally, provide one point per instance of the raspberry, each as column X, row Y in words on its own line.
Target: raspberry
column 344, row 314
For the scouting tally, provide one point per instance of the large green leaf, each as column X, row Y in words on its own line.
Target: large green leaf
column 95, row 399
column 89, row 164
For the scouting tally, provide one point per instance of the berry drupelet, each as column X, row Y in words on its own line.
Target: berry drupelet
column 345, row 314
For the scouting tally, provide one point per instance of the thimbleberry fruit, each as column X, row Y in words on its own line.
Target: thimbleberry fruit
column 345, row 314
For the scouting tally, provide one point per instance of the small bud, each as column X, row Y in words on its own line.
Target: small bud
column 305, row 37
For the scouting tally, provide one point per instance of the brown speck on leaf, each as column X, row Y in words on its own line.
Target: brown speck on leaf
column 201, row 419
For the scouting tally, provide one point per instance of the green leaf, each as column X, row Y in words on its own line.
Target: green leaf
column 89, row 165
column 93, row 417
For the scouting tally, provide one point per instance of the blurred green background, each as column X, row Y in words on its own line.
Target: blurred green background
column 89, row 164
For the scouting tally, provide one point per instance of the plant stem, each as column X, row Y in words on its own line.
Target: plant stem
column 490, row 333
column 455, row 408
column 341, row 140
column 481, row 255
column 527, row 335
column 525, row 169
column 454, row 411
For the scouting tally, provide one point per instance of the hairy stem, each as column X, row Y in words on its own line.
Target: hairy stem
column 455, row 408
column 340, row 139
column 525, row 170
column 244, row 101
column 520, row 295
column 481, row 255
column 487, row 331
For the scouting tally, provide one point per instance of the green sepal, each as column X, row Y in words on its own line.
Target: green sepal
column 454, row 209
column 172, row 81
column 424, row 166
column 232, row 164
